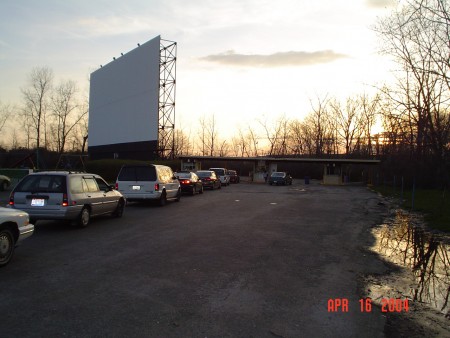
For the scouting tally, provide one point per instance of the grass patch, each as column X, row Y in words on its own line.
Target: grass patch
column 434, row 204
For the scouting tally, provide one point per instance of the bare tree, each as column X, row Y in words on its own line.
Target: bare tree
column 223, row 148
column 6, row 111
column 348, row 122
column 416, row 35
column 208, row 135
column 319, row 129
column 182, row 143
column 66, row 113
column 36, row 97
column 370, row 110
column 277, row 134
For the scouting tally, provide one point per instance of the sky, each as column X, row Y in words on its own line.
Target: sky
column 242, row 60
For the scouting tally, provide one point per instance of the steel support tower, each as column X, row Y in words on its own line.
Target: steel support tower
column 166, row 110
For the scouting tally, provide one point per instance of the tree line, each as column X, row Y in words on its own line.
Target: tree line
column 413, row 111
column 51, row 116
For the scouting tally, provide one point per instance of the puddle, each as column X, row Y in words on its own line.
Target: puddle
column 402, row 240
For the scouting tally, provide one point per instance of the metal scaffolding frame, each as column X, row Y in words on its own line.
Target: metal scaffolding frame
column 166, row 109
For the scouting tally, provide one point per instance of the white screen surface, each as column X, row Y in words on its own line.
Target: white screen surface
column 124, row 98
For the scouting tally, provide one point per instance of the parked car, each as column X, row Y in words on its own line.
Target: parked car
column 148, row 182
column 14, row 227
column 234, row 177
column 209, row 179
column 222, row 174
column 280, row 177
column 63, row 195
column 5, row 182
column 189, row 182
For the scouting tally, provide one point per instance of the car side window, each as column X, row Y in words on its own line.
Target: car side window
column 76, row 185
column 91, row 184
column 164, row 175
column 102, row 184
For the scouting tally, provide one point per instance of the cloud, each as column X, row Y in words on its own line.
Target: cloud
column 380, row 3
column 281, row 59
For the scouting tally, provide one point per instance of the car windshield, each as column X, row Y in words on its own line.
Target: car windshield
column 278, row 174
column 219, row 172
column 203, row 173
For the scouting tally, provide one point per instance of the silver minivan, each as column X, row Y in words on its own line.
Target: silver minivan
column 148, row 182
column 63, row 195
column 222, row 174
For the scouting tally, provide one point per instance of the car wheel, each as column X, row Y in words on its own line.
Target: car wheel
column 201, row 190
column 163, row 199
column 119, row 209
column 220, row 185
column 7, row 245
column 178, row 196
column 84, row 218
column 194, row 190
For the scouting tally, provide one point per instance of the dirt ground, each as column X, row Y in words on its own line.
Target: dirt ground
column 249, row 260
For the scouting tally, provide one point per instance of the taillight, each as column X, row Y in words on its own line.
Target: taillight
column 11, row 199
column 65, row 201
column 156, row 186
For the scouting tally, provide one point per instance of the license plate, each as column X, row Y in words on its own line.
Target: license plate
column 37, row 202
column 136, row 187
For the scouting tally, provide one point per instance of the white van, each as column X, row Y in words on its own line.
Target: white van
column 148, row 182
column 222, row 173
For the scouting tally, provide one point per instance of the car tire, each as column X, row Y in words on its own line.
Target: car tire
column 194, row 190
column 163, row 199
column 220, row 185
column 178, row 198
column 119, row 209
column 7, row 245
column 201, row 190
column 84, row 217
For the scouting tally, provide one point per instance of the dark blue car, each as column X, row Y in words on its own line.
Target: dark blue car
column 280, row 177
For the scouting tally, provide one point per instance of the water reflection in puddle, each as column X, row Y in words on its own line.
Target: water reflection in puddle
column 402, row 241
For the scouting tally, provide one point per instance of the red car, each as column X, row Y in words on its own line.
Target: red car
column 209, row 179
column 189, row 182
column 234, row 177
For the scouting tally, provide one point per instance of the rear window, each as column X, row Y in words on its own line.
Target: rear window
column 42, row 183
column 203, row 173
column 219, row 172
column 143, row 173
column 183, row 175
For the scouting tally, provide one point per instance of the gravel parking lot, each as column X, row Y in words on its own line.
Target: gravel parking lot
column 249, row 260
